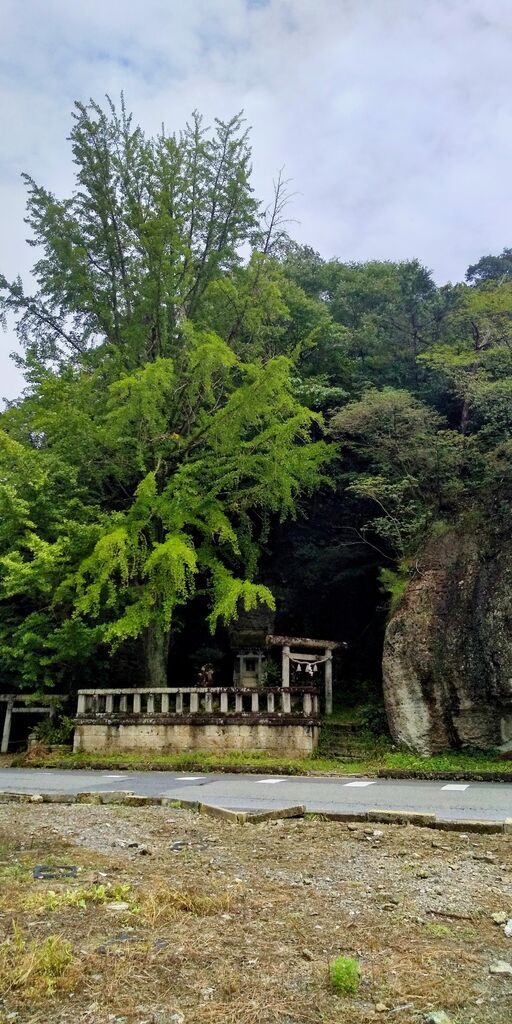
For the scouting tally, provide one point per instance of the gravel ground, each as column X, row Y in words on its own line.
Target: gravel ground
column 181, row 919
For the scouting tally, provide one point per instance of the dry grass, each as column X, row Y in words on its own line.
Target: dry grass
column 240, row 925
column 161, row 904
column 32, row 970
column 78, row 898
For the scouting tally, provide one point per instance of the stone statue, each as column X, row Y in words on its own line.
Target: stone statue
column 205, row 677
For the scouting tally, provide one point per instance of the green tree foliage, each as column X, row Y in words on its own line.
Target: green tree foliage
column 491, row 268
column 168, row 459
column 422, row 428
column 150, row 449
column 405, row 464
column 151, row 222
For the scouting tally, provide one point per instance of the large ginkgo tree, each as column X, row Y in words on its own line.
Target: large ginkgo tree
column 147, row 453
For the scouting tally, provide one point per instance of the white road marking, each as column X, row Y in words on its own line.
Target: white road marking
column 114, row 776
column 188, row 778
column 456, row 786
column 268, row 782
column 360, row 783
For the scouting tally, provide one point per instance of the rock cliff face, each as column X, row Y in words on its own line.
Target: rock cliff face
column 447, row 661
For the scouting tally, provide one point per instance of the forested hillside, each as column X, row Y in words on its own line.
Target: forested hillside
column 215, row 417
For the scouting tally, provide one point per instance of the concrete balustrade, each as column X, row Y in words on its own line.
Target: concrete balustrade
column 280, row 720
column 214, row 701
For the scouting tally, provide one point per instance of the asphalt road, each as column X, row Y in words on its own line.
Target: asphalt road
column 489, row 801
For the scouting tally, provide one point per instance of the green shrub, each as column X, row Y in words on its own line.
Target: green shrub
column 344, row 975
column 373, row 718
column 35, row 969
column 80, row 897
column 394, row 583
column 55, row 730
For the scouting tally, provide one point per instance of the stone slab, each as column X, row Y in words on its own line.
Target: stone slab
column 59, row 798
column 235, row 817
column 402, row 817
column 136, row 800
column 254, row 817
column 186, row 805
column 115, row 796
column 481, row 827
column 340, row 816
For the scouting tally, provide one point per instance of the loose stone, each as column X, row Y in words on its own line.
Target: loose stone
column 501, row 967
column 500, row 917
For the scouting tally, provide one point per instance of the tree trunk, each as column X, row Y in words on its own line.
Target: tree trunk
column 156, row 652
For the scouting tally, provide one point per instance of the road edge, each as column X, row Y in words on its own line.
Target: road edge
column 373, row 816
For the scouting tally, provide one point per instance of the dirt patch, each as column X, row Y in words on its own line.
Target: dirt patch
column 173, row 918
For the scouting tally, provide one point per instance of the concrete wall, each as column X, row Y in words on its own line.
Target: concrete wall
column 286, row 740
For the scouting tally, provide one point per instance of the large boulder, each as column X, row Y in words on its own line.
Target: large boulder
column 447, row 662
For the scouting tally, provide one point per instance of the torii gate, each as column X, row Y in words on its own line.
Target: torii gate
column 288, row 645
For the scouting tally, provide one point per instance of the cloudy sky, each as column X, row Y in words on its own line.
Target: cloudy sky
column 393, row 118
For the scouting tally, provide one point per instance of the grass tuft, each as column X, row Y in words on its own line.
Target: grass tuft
column 79, row 898
column 344, row 975
column 160, row 904
column 35, row 969
column 368, row 762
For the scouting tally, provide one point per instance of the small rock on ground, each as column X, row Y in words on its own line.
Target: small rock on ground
column 500, row 917
column 500, row 967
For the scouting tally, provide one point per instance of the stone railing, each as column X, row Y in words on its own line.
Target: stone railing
column 215, row 701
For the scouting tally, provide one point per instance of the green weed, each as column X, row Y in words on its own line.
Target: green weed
column 79, row 898
column 439, row 931
column 35, row 968
column 379, row 758
column 344, row 975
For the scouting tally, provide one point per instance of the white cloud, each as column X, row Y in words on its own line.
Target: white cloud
column 393, row 117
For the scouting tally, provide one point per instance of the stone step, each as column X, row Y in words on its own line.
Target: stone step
column 346, row 755
column 340, row 728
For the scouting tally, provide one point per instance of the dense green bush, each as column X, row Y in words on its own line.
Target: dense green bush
column 55, row 730
column 344, row 975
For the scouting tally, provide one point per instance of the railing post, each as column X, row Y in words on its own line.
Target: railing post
column 307, row 704
column 315, row 704
column 123, row 704
column 286, row 665
column 81, row 704
column 223, row 703
column 109, row 703
column 136, row 703
column 208, row 703
column 150, row 704
column 260, row 668
column 7, row 727
column 194, row 703
column 270, row 703
column 239, row 702
column 179, row 703
column 255, row 703
column 328, row 683
column 286, row 702
column 165, row 703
